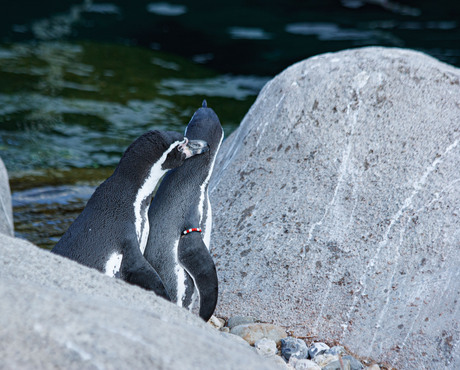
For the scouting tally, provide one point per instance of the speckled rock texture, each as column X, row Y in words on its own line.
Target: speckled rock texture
column 6, row 210
column 336, row 206
column 56, row 314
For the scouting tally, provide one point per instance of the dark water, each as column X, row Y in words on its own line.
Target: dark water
column 79, row 80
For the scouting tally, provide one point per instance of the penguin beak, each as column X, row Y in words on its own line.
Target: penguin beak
column 193, row 147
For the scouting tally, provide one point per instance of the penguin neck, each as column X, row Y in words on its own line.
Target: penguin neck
column 142, row 202
column 205, row 183
column 132, row 178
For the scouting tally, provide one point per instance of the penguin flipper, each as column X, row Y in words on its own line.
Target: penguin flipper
column 194, row 256
column 136, row 270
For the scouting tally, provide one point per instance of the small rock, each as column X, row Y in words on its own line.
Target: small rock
column 336, row 350
column 216, row 322
column 266, row 347
column 337, row 365
column 345, row 363
column 251, row 333
column 234, row 338
column 323, row 360
column 373, row 367
column 303, row 364
column 354, row 363
column 240, row 320
column 293, row 347
column 225, row 329
column 317, row 348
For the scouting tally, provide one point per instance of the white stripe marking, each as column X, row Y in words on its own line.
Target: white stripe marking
column 208, row 226
column 141, row 215
column 112, row 266
column 204, row 187
column 180, row 273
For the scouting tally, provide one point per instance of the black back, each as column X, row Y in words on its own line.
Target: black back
column 180, row 203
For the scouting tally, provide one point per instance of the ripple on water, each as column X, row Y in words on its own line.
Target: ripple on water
column 330, row 31
column 166, row 9
column 42, row 215
column 249, row 33
column 103, row 8
column 227, row 86
column 48, row 195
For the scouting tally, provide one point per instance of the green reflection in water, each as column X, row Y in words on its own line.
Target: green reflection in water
column 80, row 105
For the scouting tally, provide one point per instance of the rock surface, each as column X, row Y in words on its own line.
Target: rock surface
column 6, row 210
column 251, row 333
column 336, row 206
column 58, row 314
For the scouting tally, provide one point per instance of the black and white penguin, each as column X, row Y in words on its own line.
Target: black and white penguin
column 111, row 232
column 181, row 220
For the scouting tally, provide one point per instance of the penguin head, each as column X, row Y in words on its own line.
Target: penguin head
column 205, row 125
column 169, row 147
column 183, row 150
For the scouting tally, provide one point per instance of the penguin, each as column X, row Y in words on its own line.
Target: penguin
column 111, row 232
column 181, row 220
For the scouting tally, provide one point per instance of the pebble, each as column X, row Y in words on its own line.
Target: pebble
column 337, row 365
column 303, row 364
column 336, row 350
column 216, row 322
column 354, row 363
column 348, row 363
column 240, row 320
column 266, row 347
column 251, row 333
column 293, row 347
column 317, row 348
column 266, row 337
column 323, row 360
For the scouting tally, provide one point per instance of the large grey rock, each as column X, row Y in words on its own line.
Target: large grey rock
column 336, row 206
column 6, row 210
column 58, row 314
